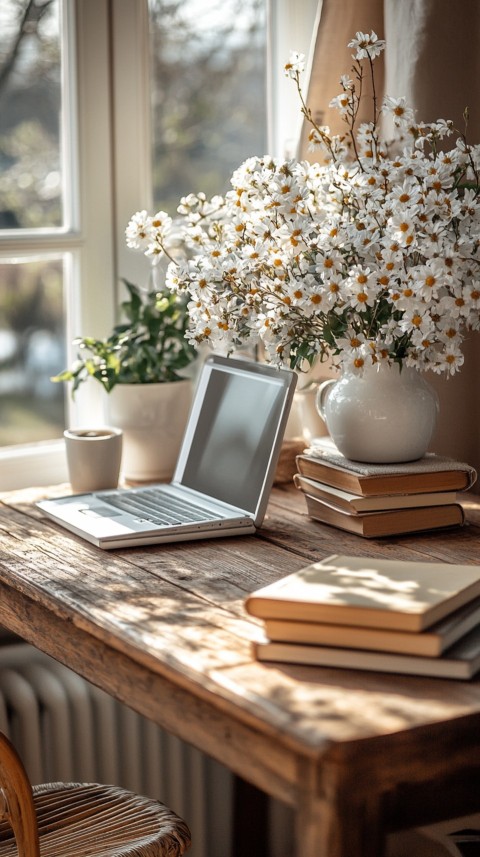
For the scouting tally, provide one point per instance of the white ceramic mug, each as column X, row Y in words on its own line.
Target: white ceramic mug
column 94, row 457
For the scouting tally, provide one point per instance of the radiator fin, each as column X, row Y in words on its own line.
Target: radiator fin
column 66, row 729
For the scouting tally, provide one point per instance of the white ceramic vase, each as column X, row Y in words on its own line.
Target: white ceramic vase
column 153, row 419
column 385, row 415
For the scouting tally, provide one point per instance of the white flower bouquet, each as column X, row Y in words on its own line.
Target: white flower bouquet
column 371, row 254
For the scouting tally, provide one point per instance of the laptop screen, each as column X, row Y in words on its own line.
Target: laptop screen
column 239, row 423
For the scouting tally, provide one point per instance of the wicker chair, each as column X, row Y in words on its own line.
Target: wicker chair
column 73, row 820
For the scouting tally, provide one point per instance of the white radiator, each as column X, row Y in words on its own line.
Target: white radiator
column 66, row 729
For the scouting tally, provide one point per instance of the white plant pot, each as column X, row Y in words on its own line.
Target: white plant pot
column 153, row 419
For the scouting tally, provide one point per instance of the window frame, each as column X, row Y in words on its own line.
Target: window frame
column 292, row 26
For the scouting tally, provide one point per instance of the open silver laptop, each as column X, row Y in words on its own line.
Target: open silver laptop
column 224, row 472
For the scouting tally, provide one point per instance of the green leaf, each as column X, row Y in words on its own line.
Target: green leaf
column 147, row 346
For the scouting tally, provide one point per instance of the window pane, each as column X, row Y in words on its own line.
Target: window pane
column 31, row 350
column 30, row 79
column 209, row 93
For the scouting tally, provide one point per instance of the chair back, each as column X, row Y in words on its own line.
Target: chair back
column 17, row 804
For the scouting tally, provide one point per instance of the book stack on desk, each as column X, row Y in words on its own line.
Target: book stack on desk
column 419, row 618
column 375, row 500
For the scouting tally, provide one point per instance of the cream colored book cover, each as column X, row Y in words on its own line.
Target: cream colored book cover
column 461, row 661
column 365, row 592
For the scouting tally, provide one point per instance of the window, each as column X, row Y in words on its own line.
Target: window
column 76, row 132
column 56, row 234
column 33, row 202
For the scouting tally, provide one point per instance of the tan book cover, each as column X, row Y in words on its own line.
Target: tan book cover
column 461, row 661
column 355, row 503
column 431, row 473
column 369, row 593
column 431, row 643
column 394, row 522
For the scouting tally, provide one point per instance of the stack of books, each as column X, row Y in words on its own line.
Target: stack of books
column 417, row 618
column 373, row 500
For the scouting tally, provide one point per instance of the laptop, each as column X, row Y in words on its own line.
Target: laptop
column 224, row 472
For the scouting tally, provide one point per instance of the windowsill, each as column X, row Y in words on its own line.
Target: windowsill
column 31, row 465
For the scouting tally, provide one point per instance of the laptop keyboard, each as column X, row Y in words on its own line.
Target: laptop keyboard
column 158, row 507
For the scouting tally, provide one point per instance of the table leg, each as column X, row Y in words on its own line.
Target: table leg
column 331, row 822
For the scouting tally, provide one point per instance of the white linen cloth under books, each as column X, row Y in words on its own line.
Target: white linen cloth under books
column 324, row 447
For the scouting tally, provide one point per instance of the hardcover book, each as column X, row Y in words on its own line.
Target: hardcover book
column 431, row 473
column 386, row 523
column 431, row 643
column 369, row 593
column 461, row 661
column 355, row 503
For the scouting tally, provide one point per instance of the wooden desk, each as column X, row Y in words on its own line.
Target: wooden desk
column 164, row 630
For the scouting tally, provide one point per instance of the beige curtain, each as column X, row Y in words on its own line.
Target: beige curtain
column 432, row 58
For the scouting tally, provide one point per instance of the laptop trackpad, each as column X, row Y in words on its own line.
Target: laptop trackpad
column 101, row 512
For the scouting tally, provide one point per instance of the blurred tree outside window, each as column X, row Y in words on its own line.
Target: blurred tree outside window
column 31, row 349
column 31, row 288
column 30, row 104
column 208, row 61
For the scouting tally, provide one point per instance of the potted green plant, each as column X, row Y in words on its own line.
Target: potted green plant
column 141, row 366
